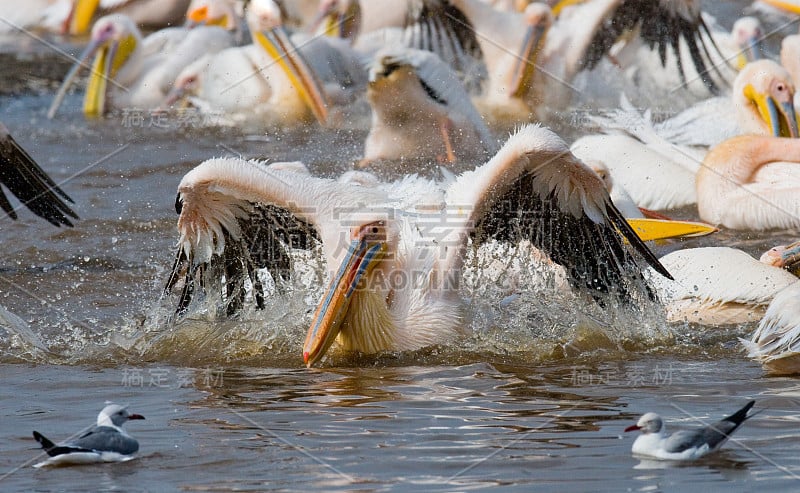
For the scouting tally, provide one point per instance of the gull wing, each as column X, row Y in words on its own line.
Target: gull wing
column 30, row 184
column 535, row 189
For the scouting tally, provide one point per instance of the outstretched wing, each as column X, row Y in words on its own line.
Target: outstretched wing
column 238, row 216
column 440, row 27
column 30, row 184
column 535, row 189
column 662, row 24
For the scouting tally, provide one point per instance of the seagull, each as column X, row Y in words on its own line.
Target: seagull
column 30, row 184
column 684, row 444
column 106, row 442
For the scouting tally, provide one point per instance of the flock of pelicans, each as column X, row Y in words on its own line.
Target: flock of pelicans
column 440, row 78
column 438, row 75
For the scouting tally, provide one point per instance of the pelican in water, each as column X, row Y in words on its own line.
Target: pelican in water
column 246, row 85
column 149, row 14
column 776, row 341
column 761, row 103
column 751, row 182
column 128, row 71
column 396, row 252
column 716, row 286
column 420, row 110
column 531, row 58
column 20, row 174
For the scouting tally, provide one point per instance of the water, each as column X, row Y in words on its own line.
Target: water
column 535, row 398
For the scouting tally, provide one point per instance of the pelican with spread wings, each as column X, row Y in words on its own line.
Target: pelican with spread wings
column 396, row 251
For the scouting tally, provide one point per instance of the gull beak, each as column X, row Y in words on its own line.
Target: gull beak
column 633, row 428
column 81, row 16
column 525, row 65
column 135, row 416
column 277, row 44
column 365, row 251
column 777, row 112
column 665, row 229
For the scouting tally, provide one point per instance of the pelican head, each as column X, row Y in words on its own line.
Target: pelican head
column 265, row 20
column 369, row 244
column 188, row 83
column 113, row 40
column 784, row 257
column 338, row 18
column 747, row 34
column 539, row 18
column 220, row 13
column 649, row 423
column 764, row 94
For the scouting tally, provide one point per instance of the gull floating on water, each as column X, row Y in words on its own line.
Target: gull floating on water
column 105, row 442
column 685, row 444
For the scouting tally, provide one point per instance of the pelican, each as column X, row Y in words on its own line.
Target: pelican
column 131, row 72
column 779, row 7
column 532, row 58
column 222, row 13
column 784, row 256
column 718, row 286
column 776, row 341
column 397, row 251
column 751, row 182
column 420, row 110
column 150, row 14
column 761, row 103
column 246, row 85
column 20, row 174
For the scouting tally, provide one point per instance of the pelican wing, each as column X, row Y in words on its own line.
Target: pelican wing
column 238, row 216
column 778, row 334
column 30, row 184
column 535, row 189
column 442, row 28
column 662, row 25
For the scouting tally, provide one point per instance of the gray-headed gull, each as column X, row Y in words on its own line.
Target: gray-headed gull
column 106, row 442
column 685, row 444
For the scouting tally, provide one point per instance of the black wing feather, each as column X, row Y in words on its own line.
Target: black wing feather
column 661, row 29
column 594, row 255
column 30, row 184
column 267, row 235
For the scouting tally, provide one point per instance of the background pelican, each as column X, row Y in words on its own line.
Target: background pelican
column 128, row 71
column 20, row 174
column 776, row 341
column 751, row 182
column 397, row 252
column 420, row 110
column 718, row 286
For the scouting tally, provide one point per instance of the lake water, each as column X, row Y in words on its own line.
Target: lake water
column 535, row 397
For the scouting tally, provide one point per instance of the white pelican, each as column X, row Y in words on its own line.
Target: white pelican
column 222, row 13
column 776, row 341
column 131, row 72
column 20, row 174
column 751, row 182
column 421, row 110
column 150, row 14
column 762, row 104
column 532, row 58
column 396, row 252
column 674, row 149
column 784, row 256
column 718, row 286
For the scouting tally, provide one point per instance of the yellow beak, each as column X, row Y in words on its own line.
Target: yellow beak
column 779, row 115
column 790, row 7
column 525, row 65
column 327, row 323
column 277, row 44
column 663, row 229
column 82, row 14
